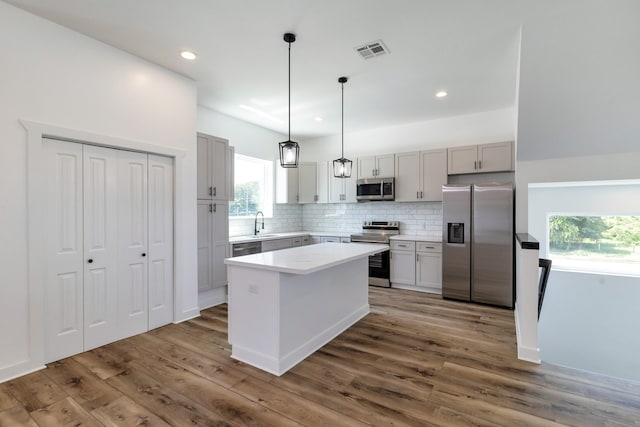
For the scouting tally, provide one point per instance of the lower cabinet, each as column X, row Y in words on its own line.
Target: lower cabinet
column 403, row 261
column 429, row 266
column 213, row 248
column 417, row 265
column 274, row 245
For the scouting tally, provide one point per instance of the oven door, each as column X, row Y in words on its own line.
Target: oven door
column 380, row 269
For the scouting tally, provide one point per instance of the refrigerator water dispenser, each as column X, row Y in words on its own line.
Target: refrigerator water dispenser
column 455, row 232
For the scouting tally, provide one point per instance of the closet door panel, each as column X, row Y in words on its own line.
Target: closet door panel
column 132, row 243
column 63, row 248
column 160, row 192
column 100, row 246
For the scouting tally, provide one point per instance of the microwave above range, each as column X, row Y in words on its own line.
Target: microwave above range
column 375, row 189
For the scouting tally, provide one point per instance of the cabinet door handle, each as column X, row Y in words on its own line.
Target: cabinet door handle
column 215, row 207
column 144, row 254
column 479, row 164
column 475, row 164
column 210, row 207
column 402, row 246
column 421, row 195
column 417, row 257
column 90, row 261
column 417, row 194
column 211, row 191
column 373, row 172
column 215, row 191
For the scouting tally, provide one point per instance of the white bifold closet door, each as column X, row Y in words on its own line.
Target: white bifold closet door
column 109, row 245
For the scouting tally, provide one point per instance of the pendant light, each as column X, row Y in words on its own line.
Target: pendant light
column 342, row 166
column 289, row 150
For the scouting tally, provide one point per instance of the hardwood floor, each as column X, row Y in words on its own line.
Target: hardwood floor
column 415, row 360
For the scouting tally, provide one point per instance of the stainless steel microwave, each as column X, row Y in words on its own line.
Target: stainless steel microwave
column 374, row 189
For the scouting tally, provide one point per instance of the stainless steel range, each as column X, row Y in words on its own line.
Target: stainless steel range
column 379, row 264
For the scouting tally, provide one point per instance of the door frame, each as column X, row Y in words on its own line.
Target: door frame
column 36, row 209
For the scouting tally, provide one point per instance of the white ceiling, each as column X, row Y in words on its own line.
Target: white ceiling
column 467, row 47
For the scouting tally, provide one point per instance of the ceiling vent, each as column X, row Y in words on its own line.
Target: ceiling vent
column 372, row 49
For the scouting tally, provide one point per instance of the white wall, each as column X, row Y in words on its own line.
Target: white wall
column 248, row 139
column 479, row 128
column 579, row 92
column 590, row 322
column 52, row 75
column 579, row 86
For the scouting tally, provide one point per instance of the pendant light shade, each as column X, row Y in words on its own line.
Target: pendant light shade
column 342, row 166
column 289, row 150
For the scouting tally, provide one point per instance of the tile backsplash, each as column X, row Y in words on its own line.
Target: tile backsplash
column 423, row 218
column 285, row 218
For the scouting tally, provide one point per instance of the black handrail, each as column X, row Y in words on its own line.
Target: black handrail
column 545, row 265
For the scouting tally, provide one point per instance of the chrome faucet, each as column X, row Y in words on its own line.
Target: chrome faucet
column 255, row 224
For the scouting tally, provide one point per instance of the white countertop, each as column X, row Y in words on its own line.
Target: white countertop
column 416, row 238
column 307, row 259
column 275, row 236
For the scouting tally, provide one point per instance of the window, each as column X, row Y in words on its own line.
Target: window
column 253, row 187
column 595, row 243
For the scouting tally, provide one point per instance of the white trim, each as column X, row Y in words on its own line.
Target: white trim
column 528, row 354
column 213, row 297
column 36, row 208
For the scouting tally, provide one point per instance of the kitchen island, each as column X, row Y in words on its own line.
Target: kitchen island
column 286, row 304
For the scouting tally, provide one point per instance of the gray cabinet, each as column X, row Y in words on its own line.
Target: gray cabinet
column 417, row 265
column 213, row 168
column 403, row 267
column 376, row 166
column 214, row 188
column 496, row 157
column 342, row 190
column 420, row 175
column 213, row 248
column 429, row 266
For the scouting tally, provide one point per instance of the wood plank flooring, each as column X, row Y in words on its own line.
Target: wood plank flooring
column 415, row 360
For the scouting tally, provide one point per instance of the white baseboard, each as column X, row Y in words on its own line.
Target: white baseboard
column 279, row 367
column 212, row 298
column 18, row 370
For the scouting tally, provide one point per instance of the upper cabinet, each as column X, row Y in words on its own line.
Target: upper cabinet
column 286, row 184
column 213, row 168
column 376, row 166
column 341, row 190
column 496, row 157
column 420, row 175
column 307, row 182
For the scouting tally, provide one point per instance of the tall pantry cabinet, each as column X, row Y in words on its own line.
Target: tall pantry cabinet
column 215, row 169
column 108, row 245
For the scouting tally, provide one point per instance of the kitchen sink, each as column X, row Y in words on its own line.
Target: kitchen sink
column 264, row 235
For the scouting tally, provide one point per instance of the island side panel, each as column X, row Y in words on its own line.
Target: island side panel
column 317, row 307
column 254, row 316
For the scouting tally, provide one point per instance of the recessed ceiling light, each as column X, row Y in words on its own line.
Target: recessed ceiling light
column 318, row 119
column 187, row 54
column 441, row 94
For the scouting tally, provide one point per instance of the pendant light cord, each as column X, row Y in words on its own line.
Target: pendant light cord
column 342, row 84
column 289, row 91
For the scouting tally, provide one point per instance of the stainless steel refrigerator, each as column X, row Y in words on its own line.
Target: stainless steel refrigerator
column 477, row 250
